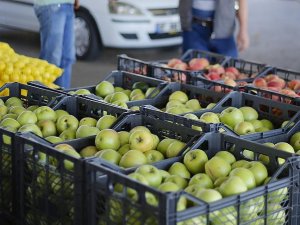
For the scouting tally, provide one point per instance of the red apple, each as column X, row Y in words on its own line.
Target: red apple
column 233, row 70
column 260, row 82
column 172, row 62
column 198, row 63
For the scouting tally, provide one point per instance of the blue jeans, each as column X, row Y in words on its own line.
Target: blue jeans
column 57, row 38
column 200, row 38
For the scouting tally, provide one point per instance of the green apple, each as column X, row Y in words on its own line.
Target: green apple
column 275, row 214
column 13, row 101
column 244, row 128
column 294, row 138
column 164, row 144
column 259, row 171
column 175, row 110
column 217, row 167
column 284, row 147
column 227, row 156
column 151, row 92
column 277, row 196
column 249, row 113
column 16, row 109
column 135, row 92
column 10, row 115
column 66, row 122
column 47, row 127
column 45, row 113
column 133, row 158
column 108, row 98
column 208, row 195
column 174, row 103
column 191, row 116
column 155, row 141
column 107, row 139
column 110, row 155
column 32, row 107
column 240, row 163
column 193, row 104
column 54, row 139
column 232, row 186
column 180, row 169
column 141, row 140
column 104, row 88
column 246, row 175
column 209, row 117
column 153, row 156
column 135, row 108
column 86, row 131
column 105, row 122
column 68, row 134
column 124, row 137
column 1, row 102
column 151, row 173
column 140, row 85
column 31, row 128
column 82, row 91
column 117, row 89
column 9, row 122
column 69, row 150
column 180, row 181
column 124, row 148
column 175, row 148
column 219, row 181
column 285, row 123
column 195, row 160
column 164, row 174
column 210, row 105
column 143, row 128
column 257, row 124
column 193, row 189
column 88, row 121
column 127, row 92
column 201, row 179
column 231, row 116
column 137, row 97
column 179, row 96
column 267, row 123
column 60, row 112
column 27, row 117
column 119, row 96
column 168, row 187
column 263, row 158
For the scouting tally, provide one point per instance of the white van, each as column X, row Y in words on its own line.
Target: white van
column 107, row 23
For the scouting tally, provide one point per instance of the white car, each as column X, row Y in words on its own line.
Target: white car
column 107, row 23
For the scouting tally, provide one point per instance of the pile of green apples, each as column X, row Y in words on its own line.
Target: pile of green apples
column 53, row 125
column 118, row 95
column 211, row 180
column 132, row 148
column 293, row 146
column 179, row 103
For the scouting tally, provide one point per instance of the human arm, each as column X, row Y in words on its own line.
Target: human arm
column 243, row 36
column 76, row 4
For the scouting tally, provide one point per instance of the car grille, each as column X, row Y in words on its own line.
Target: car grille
column 155, row 36
column 164, row 12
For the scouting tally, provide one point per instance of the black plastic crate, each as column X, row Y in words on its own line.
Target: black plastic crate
column 287, row 76
column 30, row 95
column 276, row 112
column 203, row 95
column 158, row 70
column 106, row 206
column 249, row 68
column 126, row 80
column 50, row 183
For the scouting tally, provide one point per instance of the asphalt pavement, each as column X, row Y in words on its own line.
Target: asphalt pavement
column 273, row 27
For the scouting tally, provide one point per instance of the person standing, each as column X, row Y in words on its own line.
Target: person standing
column 209, row 25
column 57, row 35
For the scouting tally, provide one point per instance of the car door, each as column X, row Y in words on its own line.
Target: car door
column 18, row 14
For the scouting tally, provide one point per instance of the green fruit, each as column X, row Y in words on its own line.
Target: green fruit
column 140, row 85
column 104, row 88
column 179, row 96
column 110, row 155
column 106, row 122
column 107, row 139
column 86, row 131
column 217, row 167
column 133, row 158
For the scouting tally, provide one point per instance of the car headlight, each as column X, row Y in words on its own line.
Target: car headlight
column 122, row 8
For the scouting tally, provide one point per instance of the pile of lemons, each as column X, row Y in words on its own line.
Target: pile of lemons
column 19, row 68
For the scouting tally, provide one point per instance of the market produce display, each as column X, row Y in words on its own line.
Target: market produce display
column 191, row 155
column 20, row 68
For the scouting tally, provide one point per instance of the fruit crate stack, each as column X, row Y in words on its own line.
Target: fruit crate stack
column 53, row 175
column 17, row 97
column 277, row 84
column 122, row 88
column 213, row 184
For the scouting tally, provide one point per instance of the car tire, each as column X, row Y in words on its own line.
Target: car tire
column 87, row 38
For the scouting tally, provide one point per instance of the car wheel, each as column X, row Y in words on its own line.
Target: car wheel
column 87, row 40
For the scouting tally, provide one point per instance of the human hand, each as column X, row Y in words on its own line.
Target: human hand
column 242, row 40
column 76, row 4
